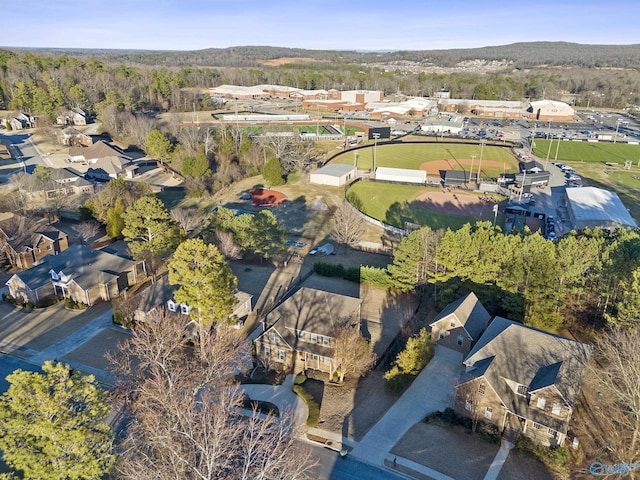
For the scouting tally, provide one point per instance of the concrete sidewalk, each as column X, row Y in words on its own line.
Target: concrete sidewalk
column 498, row 461
column 73, row 341
column 432, row 390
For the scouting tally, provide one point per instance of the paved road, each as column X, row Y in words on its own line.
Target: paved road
column 9, row 364
column 334, row 467
column 23, row 150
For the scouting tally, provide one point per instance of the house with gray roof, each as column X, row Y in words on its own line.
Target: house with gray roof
column 524, row 380
column 25, row 242
column 459, row 325
column 298, row 332
column 160, row 295
column 80, row 273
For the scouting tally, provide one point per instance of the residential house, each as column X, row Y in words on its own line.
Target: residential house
column 79, row 273
column 19, row 122
column 160, row 294
column 298, row 332
column 96, row 151
column 25, row 243
column 523, row 380
column 459, row 325
column 75, row 116
column 69, row 182
column 71, row 137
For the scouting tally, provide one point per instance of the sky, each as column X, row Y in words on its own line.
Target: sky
column 314, row 24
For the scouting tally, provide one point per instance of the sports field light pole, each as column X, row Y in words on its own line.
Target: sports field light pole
column 473, row 157
column 548, row 153
column 376, row 136
column 495, row 214
column 615, row 139
column 480, row 163
column 557, row 148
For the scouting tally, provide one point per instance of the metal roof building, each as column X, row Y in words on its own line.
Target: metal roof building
column 590, row 207
column 334, row 174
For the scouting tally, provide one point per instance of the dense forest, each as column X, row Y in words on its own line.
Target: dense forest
column 522, row 55
column 41, row 83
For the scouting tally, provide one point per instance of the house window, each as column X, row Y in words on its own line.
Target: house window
column 537, row 426
column 282, row 355
column 184, row 309
column 542, row 402
column 326, row 340
column 523, row 390
column 481, row 389
column 441, row 334
column 301, row 334
column 314, row 357
column 556, row 409
column 551, row 432
column 459, row 339
column 171, row 306
column 273, row 337
column 312, row 337
column 468, row 405
column 48, row 247
column 488, row 413
column 452, row 323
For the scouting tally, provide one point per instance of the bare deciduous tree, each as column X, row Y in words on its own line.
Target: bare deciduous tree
column 86, row 230
column 227, row 245
column 185, row 419
column 616, row 371
column 189, row 218
column 352, row 352
column 347, row 227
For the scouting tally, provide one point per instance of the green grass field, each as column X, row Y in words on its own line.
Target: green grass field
column 412, row 155
column 395, row 204
column 587, row 151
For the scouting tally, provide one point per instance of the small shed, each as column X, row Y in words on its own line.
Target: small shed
column 404, row 175
column 335, row 175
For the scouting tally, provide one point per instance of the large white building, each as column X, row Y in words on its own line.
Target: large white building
column 591, row 207
column 551, row 110
column 403, row 175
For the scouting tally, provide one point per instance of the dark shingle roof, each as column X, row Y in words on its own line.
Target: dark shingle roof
column 527, row 356
column 312, row 311
column 469, row 312
column 85, row 266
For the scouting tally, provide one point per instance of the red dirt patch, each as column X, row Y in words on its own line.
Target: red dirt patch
column 266, row 198
column 455, row 202
column 433, row 167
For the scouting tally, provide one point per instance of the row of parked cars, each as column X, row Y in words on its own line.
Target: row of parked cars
column 551, row 227
column 572, row 179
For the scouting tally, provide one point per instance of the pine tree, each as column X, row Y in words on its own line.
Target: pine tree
column 53, row 425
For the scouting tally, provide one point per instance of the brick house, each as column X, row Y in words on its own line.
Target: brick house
column 298, row 332
column 80, row 273
column 460, row 324
column 523, row 380
column 25, row 243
